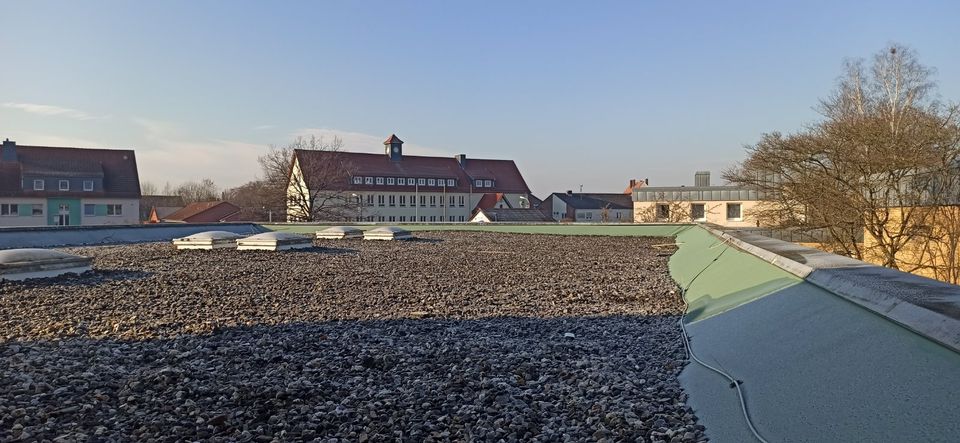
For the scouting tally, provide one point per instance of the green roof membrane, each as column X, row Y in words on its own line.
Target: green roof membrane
column 724, row 283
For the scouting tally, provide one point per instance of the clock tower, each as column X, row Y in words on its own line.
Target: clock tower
column 393, row 147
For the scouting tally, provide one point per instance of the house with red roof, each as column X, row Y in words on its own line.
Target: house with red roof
column 393, row 187
column 44, row 186
column 202, row 212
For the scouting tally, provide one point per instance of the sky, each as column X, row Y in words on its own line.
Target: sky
column 578, row 93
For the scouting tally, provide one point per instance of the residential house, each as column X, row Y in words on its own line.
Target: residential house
column 393, row 187
column 154, row 208
column 205, row 212
column 721, row 205
column 44, row 186
column 589, row 207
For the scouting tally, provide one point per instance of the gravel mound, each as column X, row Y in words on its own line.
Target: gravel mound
column 461, row 336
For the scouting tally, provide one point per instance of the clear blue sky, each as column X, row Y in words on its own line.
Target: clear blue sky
column 590, row 93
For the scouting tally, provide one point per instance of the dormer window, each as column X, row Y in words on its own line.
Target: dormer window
column 64, row 185
column 401, row 181
column 479, row 183
column 390, row 181
column 451, row 182
column 488, row 183
column 358, row 180
column 368, row 180
column 379, row 180
column 38, row 185
column 88, row 185
column 421, row 181
column 431, row 182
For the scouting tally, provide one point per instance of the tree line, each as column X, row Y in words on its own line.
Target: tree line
column 878, row 175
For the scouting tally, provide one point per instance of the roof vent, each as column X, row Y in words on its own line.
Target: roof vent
column 208, row 240
column 340, row 233
column 21, row 264
column 387, row 233
column 275, row 241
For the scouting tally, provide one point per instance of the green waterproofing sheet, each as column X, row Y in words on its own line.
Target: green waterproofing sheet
column 721, row 285
column 813, row 366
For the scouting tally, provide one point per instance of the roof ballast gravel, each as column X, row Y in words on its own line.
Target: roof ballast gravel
column 21, row 264
column 489, row 337
column 275, row 241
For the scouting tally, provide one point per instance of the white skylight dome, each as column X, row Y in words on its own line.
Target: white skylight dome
column 21, row 264
column 340, row 233
column 208, row 240
column 387, row 233
column 275, row 241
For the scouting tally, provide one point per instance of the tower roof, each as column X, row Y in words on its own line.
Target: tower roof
column 392, row 139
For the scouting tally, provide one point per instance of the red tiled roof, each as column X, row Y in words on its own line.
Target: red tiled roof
column 117, row 167
column 206, row 212
column 504, row 173
column 489, row 200
column 392, row 139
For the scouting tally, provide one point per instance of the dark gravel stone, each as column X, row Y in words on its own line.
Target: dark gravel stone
column 465, row 336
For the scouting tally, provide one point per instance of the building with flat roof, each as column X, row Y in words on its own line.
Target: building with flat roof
column 589, row 207
column 44, row 186
column 721, row 205
column 393, row 187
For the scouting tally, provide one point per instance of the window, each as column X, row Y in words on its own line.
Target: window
column 380, row 201
column 488, row 183
column 460, row 201
column 423, row 201
column 663, row 212
column 369, row 199
column 403, row 200
column 88, row 185
column 450, row 218
column 410, row 182
column 368, row 180
column 479, row 183
column 114, row 209
column 453, row 201
column 698, row 212
column 421, row 181
column 431, row 182
column 423, row 218
column 461, row 218
column 734, row 212
column 379, row 180
column 588, row 216
column 401, row 181
column 451, row 183
column 9, row 209
column 89, row 210
column 358, row 180
column 433, row 200
column 392, row 218
column 38, row 185
column 403, row 218
column 390, row 181
column 392, row 201
column 433, row 218
column 413, row 201
column 380, row 218
column 36, row 210
column 369, row 218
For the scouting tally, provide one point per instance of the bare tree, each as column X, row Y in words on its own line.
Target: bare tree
column 866, row 169
column 148, row 188
column 315, row 189
column 254, row 199
column 203, row 190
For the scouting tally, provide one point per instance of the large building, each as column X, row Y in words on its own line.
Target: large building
column 721, row 205
column 393, row 187
column 43, row 186
column 589, row 207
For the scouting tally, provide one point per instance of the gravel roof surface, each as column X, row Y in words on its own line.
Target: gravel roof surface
column 457, row 336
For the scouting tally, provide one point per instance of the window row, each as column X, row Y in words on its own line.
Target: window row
column 698, row 212
column 402, row 200
column 89, row 210
column 13, row 209
column 402, row 181
column 403, row 218
column 62, row 185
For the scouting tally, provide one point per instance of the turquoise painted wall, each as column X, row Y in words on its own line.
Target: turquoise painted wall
column 53, row 210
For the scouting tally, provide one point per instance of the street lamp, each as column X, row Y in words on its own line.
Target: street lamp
column 359, row 206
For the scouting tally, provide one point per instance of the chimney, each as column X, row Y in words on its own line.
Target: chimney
column 9, row 151
column 701, row 178
column 646, row 181
column 633, row 183
column 462, row 159
column 569, row 192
